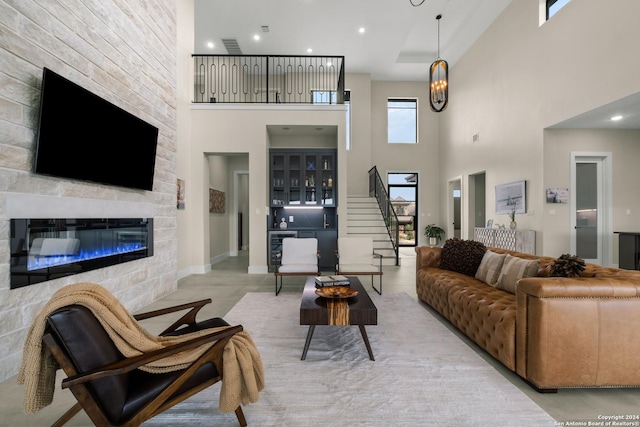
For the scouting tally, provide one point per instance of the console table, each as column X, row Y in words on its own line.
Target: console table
column 515, row 240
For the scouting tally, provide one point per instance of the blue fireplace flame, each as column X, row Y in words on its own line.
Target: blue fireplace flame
column 44, row 261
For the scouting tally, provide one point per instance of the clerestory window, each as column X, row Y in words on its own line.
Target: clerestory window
column 553, row 6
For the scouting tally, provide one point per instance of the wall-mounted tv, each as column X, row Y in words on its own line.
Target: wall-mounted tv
column 83, row 136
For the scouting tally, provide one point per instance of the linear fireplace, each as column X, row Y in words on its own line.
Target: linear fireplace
column 46, row 249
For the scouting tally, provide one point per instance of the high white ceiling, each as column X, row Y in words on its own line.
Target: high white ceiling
column 399, row 43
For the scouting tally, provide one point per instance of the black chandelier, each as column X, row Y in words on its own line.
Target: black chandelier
column 439, row 80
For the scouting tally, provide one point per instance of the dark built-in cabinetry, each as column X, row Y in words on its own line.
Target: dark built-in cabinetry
column 301, row 179
column 628, row 250
column 327, row 245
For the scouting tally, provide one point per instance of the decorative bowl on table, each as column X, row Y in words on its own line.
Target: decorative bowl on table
column 336, row 292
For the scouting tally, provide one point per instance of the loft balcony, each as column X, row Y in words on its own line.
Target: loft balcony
column 268, row 79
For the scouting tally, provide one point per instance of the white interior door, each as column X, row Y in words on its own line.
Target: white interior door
column 590, row 208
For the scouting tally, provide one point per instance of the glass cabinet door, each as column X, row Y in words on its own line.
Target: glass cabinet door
column 310, row 179
column 328, row 175
column 294, row 196
column 304, row 177
column 278, row 171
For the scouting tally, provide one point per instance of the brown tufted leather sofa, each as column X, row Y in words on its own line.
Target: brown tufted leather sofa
column 555, row 332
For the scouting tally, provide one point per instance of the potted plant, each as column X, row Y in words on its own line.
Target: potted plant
column 434, row 233
column 512, row 216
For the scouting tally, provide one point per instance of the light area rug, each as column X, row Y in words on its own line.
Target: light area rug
column 423, row 374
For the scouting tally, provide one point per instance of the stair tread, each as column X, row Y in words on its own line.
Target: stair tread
column 364, row 219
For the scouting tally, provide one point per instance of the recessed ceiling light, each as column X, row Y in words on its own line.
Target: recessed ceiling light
column 361, row 30
column 210, row 45
column 309, row 50
column 616, row 118
column 256, row 37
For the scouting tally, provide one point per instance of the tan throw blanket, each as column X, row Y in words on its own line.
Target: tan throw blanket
column 242, row 365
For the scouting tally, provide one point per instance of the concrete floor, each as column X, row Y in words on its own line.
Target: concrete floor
column 227, row 283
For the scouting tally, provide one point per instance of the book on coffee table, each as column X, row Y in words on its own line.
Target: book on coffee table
column 322, row 281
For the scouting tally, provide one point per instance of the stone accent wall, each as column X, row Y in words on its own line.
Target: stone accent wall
column 124, row 51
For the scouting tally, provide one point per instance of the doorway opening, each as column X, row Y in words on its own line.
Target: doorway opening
column 403, row 194
column 240, row 217
column 454, row 215
column 477, row 202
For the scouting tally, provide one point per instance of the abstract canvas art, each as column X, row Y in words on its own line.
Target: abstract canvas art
column 216, row 201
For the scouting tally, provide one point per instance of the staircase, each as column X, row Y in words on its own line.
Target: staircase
column 365, row 220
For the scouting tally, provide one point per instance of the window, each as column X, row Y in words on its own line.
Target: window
column 403, row 195
column 323, row 96
column 554, row 6
column 402, row 121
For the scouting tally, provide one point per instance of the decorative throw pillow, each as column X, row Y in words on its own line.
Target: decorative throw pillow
column 514, row 269
column 462, row 256
column 490, row 267
column 567, row 265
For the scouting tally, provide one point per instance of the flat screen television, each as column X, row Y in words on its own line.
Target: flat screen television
column 83, row 136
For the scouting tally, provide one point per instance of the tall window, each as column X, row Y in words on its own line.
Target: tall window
column 402, row 121
column 555, row 5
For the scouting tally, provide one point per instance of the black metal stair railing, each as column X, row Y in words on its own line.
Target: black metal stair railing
column 379, row 191
column 268, row 79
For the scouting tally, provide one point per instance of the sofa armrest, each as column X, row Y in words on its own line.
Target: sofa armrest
column 580, row 287
column 578, row 332
column 428, row 256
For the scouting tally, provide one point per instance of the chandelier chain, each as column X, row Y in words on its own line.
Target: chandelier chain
column 438, row 19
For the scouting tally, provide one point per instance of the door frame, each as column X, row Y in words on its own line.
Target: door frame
column 234, row 215
column 605, row 228
column 416, row 201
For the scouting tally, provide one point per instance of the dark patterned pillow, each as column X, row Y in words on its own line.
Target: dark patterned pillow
column 462, row 256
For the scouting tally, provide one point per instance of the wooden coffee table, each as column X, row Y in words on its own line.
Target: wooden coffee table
column 316, row 310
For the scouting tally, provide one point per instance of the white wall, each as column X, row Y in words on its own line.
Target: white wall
column 422, row 157
column 359, row 156
column 624, row 146
column 126, row 53
column 231, row 130
column 519, row 78
column 185, row 36
column 226, row 130
column 219, row 223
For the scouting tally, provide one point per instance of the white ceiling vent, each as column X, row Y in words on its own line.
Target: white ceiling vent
column 232, row 46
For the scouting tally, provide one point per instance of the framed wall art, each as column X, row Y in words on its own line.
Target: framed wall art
column 180, row 195
column 510, row 197
column 557, row 195
column 216, row 201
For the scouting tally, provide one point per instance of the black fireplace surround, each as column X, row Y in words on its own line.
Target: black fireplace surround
column 46, row 249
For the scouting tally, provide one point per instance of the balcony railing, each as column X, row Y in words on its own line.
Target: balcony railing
column 268, row 79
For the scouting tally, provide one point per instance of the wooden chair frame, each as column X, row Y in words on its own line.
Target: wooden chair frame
column 76, row 382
